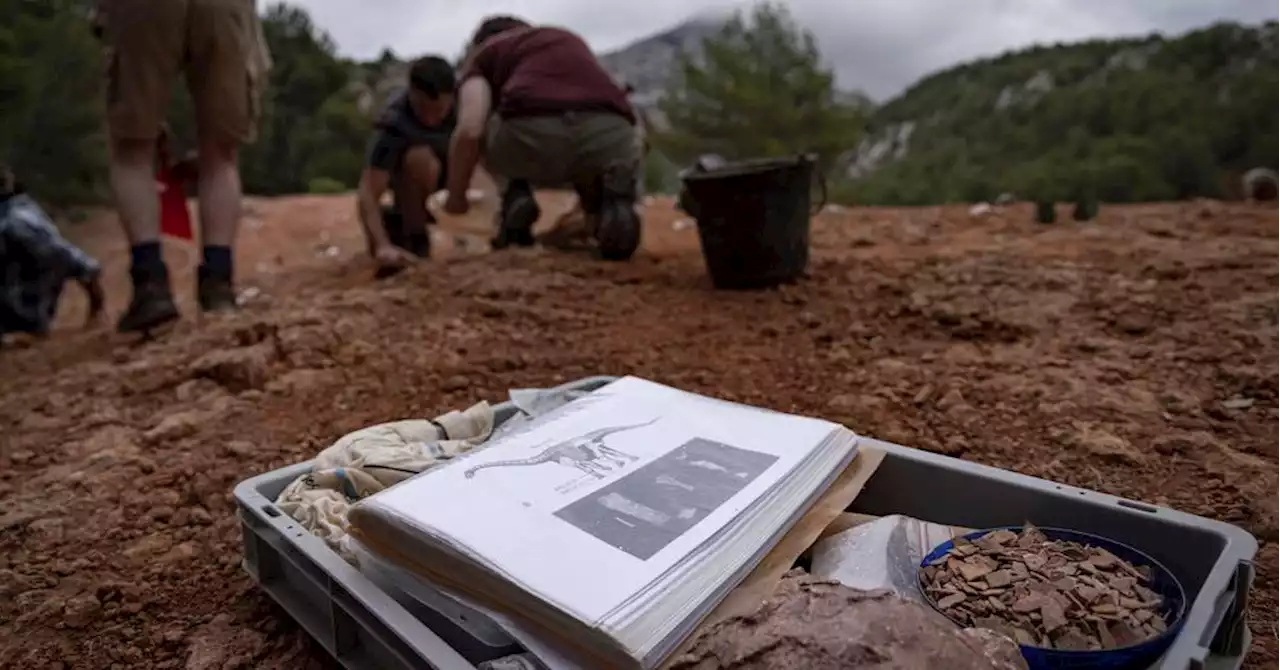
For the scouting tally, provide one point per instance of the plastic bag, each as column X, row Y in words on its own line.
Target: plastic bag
column 514, row 662
column 880, row 554
column 536, row 407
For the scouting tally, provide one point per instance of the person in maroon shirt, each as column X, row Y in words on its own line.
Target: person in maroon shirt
column 538, row 108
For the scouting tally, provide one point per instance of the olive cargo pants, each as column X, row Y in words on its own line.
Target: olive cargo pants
column 571, row 149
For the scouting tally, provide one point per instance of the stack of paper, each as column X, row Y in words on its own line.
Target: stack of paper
column 611, row 526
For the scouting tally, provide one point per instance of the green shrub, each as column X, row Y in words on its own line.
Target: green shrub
column 326, row 185
column 1086, row 209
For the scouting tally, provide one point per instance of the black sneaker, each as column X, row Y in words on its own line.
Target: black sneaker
column 519, row 212
column 618, row 231
column 418, row 244
column 152, row 304
column 215, row 293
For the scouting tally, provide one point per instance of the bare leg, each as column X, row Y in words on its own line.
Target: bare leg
column 219, row 193
column 134, row 184
column 421, row 178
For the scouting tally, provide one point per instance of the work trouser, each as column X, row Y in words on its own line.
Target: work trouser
column 568, row 149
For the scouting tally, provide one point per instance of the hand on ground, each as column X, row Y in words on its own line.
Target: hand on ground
column 97, row 300
column 392, row 259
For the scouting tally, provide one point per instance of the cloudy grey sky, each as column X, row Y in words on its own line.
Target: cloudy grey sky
column 879, row 46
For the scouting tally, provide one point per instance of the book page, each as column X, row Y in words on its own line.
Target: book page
column 587, row 509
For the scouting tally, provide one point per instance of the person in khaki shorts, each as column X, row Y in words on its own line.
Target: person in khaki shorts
column 218, row 46
column 541, row 111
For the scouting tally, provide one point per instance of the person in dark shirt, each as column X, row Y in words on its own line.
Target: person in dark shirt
column 409, row 156
column 541, row 111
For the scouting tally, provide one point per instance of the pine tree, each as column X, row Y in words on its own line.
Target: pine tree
column 758, row 88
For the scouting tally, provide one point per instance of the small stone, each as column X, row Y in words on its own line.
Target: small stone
column 1001, row 537
column 1024, row 638
column 238, row 448
column 952, row 398
column 179, row 553
column 81, row 610
column 843, row 402
column 951, row 601
column 1238, row 403
column 922, row 396
column 953, row 446
column 160, row 513
column 455, row 383
column 1124, row 584
column 974, row 571
column 238, row 369
column 1103, row 560
column 175, row 427
column 1052, row 616
column 1027, row 604
column 1071, row 640
column 998, row 579
column 1123, row 634
column 1106, row 445
column 1134, row 323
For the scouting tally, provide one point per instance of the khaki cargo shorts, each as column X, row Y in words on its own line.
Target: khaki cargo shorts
column 217, row 44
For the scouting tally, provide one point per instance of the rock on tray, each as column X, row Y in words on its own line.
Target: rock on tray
column 1052, row 594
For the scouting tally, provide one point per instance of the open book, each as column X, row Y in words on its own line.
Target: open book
column 611, row 526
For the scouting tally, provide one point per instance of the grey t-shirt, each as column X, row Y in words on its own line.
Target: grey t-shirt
column 398, row 129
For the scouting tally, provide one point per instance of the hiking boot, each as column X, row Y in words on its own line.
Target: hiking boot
column 618, row 230
column 152, row 304
column 215, row 293
column 518, row 214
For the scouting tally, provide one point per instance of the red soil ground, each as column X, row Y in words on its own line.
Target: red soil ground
column 1135, row 355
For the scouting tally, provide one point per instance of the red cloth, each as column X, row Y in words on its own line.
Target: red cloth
column 175, row 218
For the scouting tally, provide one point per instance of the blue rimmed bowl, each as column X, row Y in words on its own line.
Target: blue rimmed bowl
column 1133, row 657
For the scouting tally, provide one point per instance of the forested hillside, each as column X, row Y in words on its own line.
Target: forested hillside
column 1137, row 119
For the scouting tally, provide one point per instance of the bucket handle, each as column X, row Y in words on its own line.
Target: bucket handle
column 822, row 183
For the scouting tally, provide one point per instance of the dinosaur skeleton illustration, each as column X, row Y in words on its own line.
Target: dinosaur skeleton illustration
column 588, row 453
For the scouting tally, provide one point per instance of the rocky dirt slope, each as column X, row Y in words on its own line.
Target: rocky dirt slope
column 1136, row 355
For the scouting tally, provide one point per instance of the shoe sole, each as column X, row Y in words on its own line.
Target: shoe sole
column 619, row 232
column 152, row 324
column 620, row 227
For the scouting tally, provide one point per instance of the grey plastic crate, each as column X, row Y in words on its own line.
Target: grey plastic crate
column 367, row 629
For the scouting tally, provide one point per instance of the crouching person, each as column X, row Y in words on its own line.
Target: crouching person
column 538, row 109
column 35, row 263
column 409, row 157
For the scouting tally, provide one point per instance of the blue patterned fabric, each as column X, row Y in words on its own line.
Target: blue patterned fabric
column 35, row 262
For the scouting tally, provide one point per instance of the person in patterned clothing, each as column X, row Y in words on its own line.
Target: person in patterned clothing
column 35, row 263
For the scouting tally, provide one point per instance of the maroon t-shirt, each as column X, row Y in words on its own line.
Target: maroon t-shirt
column 545, row 71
